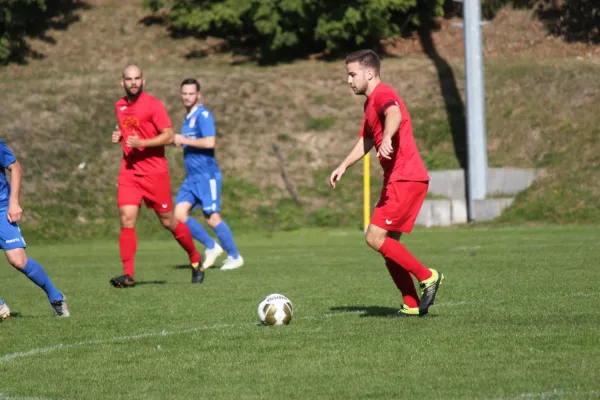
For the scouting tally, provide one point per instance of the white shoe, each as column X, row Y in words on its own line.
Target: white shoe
column 4, row 312
column 232, row 263
column 211, row 255
column 61, row 308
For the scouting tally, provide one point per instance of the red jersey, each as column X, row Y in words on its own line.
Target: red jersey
column 145, row 117
column 405, row 163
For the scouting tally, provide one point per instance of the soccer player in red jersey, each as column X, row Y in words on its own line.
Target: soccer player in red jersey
column 387, row 126
column 144, row 129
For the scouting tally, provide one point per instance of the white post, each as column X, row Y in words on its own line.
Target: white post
column 475, row 91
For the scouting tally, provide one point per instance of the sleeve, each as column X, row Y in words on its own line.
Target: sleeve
column 384, row 100
column 160, row 117
column 6, row 156
column 206, row 124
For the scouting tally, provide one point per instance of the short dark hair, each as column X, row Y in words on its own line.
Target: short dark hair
column 191, row 81
column 367, row 58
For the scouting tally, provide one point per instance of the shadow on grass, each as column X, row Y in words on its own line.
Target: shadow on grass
column 368, row 311
column 150, row 283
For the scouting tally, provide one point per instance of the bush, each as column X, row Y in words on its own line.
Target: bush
column 22, row 18
column 283, row 29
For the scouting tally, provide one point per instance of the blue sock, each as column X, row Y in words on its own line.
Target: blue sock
column 226, row 238
column 199, row 233
column 1, row 302
column 36, row 273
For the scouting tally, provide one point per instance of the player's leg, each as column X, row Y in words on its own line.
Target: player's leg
column 209, row 194
column 128, row 215
column 184, row 203
column 234, row 259
column 397, row 211
column 156, row 192
column 17, row 257
column 184, row 237
column 129, row 199
column 404, row 282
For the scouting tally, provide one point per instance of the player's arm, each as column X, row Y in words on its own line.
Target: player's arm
column 206, row 130
column 200, row 143
column 361, row 147
column 391, row 126
column 164, row 138
column 16, row 176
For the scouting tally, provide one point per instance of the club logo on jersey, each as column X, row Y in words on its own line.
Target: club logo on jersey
column 205, row 114
column 130, row 122
column 192, row 122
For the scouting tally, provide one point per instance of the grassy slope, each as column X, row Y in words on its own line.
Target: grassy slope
column 503, row 327
column 57, row 113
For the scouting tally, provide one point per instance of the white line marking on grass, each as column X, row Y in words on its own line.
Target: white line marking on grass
column 556, row 393
column 43, row 350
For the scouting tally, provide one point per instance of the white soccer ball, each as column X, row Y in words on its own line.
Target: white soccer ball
column 4, row 312
column 275, row 309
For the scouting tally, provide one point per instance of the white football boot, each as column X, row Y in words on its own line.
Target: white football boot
column 232, row 263
column 4, row 311
column 61, row 308
column 211, row 255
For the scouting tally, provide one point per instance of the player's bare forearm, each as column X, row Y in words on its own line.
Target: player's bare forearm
column 16, row 176
column 393, row 118
column 165, row 138
column 362, row 147
column 201, row 143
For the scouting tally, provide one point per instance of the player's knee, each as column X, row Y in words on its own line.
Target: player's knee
column 169, row 222
column 374, row 240
column 213, row 219
column 17, row 258
column 127, row 220
column 181, row 215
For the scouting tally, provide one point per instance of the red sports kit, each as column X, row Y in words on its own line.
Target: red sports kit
column 144, row 173
column 405, row 178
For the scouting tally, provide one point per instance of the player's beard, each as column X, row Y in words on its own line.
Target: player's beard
column 134, row 95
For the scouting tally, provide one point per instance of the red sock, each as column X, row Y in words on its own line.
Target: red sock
column 404, row 283
column 396, row 251
column 184, row 237
column 127, row 248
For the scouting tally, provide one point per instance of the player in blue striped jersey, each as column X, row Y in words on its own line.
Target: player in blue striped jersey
column 202, row 185
column 11, row 239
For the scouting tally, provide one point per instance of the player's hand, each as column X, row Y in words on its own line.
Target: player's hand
column 178, row 140
column 386, row 149
column 116, row 135
column 336, row 175
column 14, row 212
column 134, row 141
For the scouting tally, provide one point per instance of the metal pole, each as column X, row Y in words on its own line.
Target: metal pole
column 476, row 137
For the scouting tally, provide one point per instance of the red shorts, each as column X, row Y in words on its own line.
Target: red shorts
column 399, row 205
column 154, row 190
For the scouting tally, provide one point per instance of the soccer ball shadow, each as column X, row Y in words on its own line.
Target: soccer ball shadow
column 368, row 311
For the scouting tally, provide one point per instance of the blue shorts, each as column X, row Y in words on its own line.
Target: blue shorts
column 10, row 234
column 202, row 190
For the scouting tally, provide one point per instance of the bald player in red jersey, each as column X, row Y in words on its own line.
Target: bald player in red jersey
column 387, row 126
column 144, row 129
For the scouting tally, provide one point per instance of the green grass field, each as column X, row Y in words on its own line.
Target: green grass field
column 516, row 318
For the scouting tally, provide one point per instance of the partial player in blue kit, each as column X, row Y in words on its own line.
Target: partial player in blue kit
column 202, row 185
column 11, row 240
